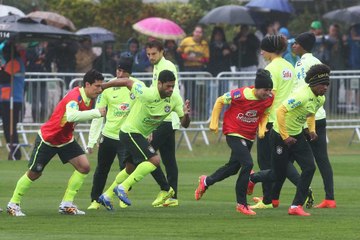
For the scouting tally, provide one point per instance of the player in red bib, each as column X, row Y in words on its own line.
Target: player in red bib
column 249, row 109
column 56, row 137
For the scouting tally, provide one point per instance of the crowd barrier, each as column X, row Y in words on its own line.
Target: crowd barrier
column 44, row 90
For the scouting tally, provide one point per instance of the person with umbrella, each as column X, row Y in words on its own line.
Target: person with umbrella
column 13, row 68
column 56, row 137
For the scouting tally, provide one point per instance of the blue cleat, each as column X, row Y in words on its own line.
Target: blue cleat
column 122, row 194
column 105, row 201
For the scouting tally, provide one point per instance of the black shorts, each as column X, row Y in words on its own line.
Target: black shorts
column 43, row 153
column 137, row 148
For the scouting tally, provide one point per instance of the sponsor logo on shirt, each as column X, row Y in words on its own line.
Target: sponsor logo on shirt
column 249, row 117
column 293, row 104
column 287, row 74
column 237, row 94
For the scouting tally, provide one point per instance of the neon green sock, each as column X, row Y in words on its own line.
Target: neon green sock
column 140, row 172
column 22, row 185
column 122, row 175
column 75, row 182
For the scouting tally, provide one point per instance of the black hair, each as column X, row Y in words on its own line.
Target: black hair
column 318, row 73
column 274, row 44
column 166, row 76
column 91, row 76
column 155, row 44
column 217, row 30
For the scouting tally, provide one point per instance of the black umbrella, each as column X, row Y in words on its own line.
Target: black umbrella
column 13, row 29
column 349, row 16
column 97, row 34
column 228, row 14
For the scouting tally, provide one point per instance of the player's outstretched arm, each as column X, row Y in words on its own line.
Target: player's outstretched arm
column 119, row 82
column 185, row 120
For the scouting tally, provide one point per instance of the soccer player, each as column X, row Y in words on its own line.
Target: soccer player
column 249, row 108
column 288, row 143
column 151, row 107
column 56, row 137
column 163, row 138
column 118, row 102
column 303, row 46
column 282, row 75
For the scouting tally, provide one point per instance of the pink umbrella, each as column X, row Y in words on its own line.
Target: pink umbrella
column 159, row 28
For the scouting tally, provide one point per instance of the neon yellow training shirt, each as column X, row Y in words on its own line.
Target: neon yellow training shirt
column 299, row 106
column 282, row 75
column 150, row 109
column 301, row 67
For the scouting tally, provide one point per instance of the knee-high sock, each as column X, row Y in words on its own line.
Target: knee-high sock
column 122, row 175
column 22, row 185
column 75, row 182
column 140, row 172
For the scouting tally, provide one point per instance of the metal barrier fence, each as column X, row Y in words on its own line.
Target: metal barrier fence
column 44, row 90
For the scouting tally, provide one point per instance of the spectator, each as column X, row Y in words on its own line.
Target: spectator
column 336, row 48
column 289, row 54
column 35, row 55
column 245, row 50
column 140, row 60
column 220, row 60
column 195, row 51
column 172, row 55
column 354, row 47
column 85, row 56
column 16, row 67
column 105, row 63
column 320, row 50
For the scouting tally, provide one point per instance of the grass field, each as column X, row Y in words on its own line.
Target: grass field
column 213, row 217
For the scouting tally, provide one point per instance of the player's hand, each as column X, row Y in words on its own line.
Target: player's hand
column 150, row 137
column 102, row 111
column 187, row 107
column 313, row 136
column 214, row 129
column 90, row 150
column 290, row 141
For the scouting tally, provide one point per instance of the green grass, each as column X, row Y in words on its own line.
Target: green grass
column 213, row 217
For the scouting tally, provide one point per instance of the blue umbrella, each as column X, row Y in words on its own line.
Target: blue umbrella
column 271, row 5
column 97, row 34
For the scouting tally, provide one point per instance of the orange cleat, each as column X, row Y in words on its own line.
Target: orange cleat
column 326, row 204
column 244, row 209
column 200, row 190
column 275, row 203
column 298, row 210
column 251, row 185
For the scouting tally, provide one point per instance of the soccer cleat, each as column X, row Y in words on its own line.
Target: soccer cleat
column 298, row 210
column 326, row 204
column 275, row 203
column 251, row 185
column 94, row 205
column 1, row 210
column 171, row 202
column 244, row 209
column 309, row 202
column 70, row 210
column 257, row 199
column 200, row 190
column 122, row 194
column 122, row 204
column 261, row 205
column 14, row 210
column 106, row 202
column 163, row 196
